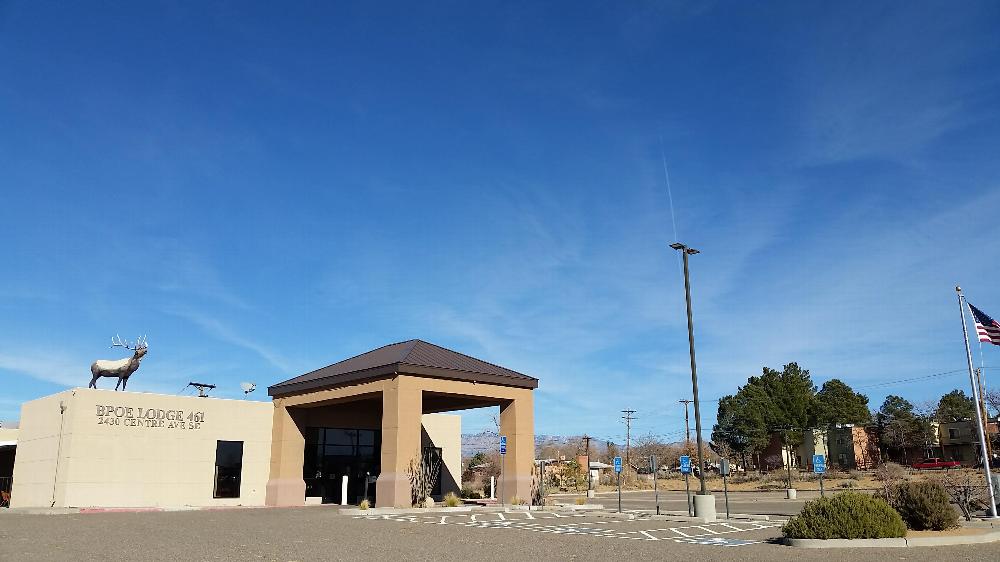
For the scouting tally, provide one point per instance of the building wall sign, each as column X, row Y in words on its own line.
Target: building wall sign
column 111, row 415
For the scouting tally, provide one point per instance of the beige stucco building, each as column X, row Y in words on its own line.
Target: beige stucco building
column 378, row 399
column 354, row 429
column 100, row 448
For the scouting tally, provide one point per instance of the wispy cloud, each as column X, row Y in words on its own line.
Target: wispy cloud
column 894, row 90
column 222, row 331
column 187, row 273
column 48, row 365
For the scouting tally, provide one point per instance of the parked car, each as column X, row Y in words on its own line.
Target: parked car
column 936, row 463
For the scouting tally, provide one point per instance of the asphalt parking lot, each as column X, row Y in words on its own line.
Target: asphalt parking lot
column 321, row 533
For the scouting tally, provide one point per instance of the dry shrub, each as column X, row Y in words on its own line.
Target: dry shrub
column 925, row 506
column 848, row 515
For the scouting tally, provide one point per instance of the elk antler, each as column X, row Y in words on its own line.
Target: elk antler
column 117, row 342
column 141, row 342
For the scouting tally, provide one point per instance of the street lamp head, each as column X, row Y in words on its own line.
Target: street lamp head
column 684, row 248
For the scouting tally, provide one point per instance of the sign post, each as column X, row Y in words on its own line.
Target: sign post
column 686, row 471
column 618, row 473
column 819, row 467
column 724, row 469
column 656, row 492
column 503, row 458
column 541, row 483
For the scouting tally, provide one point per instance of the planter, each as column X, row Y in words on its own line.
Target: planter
column 923, row 540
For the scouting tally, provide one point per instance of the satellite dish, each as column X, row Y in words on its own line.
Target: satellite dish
column 248, row 387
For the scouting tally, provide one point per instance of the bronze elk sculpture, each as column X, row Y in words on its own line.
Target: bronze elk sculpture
column 122, row 369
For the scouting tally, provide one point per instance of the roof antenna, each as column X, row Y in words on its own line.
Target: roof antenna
column 247, row 387
column 202, row 388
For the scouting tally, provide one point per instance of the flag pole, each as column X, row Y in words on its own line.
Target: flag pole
column 979, row 414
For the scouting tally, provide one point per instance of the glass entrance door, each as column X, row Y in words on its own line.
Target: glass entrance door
column 332, row 453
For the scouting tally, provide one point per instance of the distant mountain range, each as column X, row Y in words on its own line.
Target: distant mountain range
column 488, row 441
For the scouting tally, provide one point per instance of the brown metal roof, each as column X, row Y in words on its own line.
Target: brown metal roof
column 412, row 357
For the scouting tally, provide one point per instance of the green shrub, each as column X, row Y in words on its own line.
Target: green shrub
column 365, row 504
column 847, row 515
column 471, row 493
column 451, row 500
column 925, row 505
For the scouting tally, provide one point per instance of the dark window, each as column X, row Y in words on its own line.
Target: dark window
column 952, row 433
column 228, row 468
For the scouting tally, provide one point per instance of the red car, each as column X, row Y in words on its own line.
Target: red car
column 936, row 463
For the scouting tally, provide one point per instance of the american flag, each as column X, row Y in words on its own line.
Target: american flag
column 987, row 328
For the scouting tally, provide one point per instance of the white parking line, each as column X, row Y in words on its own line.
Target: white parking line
column 706, row 534
column 651, row 537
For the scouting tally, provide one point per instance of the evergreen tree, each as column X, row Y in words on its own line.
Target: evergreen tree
column 836, row 402
column 955, row 406
column 775, row 401
column 900, row 428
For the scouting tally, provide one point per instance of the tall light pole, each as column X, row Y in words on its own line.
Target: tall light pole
column 686, row 251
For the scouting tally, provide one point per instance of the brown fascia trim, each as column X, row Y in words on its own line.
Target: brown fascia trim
column 385, row 371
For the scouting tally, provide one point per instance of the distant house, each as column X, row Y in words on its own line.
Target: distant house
column 959, row 441
column 853, row 447
column 847, row 447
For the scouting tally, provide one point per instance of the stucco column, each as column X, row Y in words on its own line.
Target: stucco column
column 517, row 422
column 402, row 407
column 285, row 485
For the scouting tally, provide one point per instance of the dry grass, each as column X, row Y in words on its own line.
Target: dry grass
column 775, row 481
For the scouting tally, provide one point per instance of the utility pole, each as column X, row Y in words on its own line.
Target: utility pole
column 687, row 427
column 628, row 432
column 982, row 406
column 586, row 440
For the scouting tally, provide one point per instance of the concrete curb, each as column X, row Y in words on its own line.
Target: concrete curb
column 404, row 510
column 719, row 517
column 893, row 543
column 574, row 507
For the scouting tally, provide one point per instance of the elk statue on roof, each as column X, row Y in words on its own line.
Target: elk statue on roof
column 122, row 369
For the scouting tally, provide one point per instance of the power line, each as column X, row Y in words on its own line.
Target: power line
column 913, row 379
column 894, row 382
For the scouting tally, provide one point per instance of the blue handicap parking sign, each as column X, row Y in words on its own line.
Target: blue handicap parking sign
column 503, row 444
column 819, row 464
column 685, row 464
column 618, row 464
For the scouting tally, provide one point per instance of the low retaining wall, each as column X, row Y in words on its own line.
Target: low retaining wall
column 894, row 543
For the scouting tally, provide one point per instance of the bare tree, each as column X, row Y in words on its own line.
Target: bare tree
column 992, row 397
column 966, row 491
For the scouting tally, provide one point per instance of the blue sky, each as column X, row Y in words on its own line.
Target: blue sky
column 265, row 189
